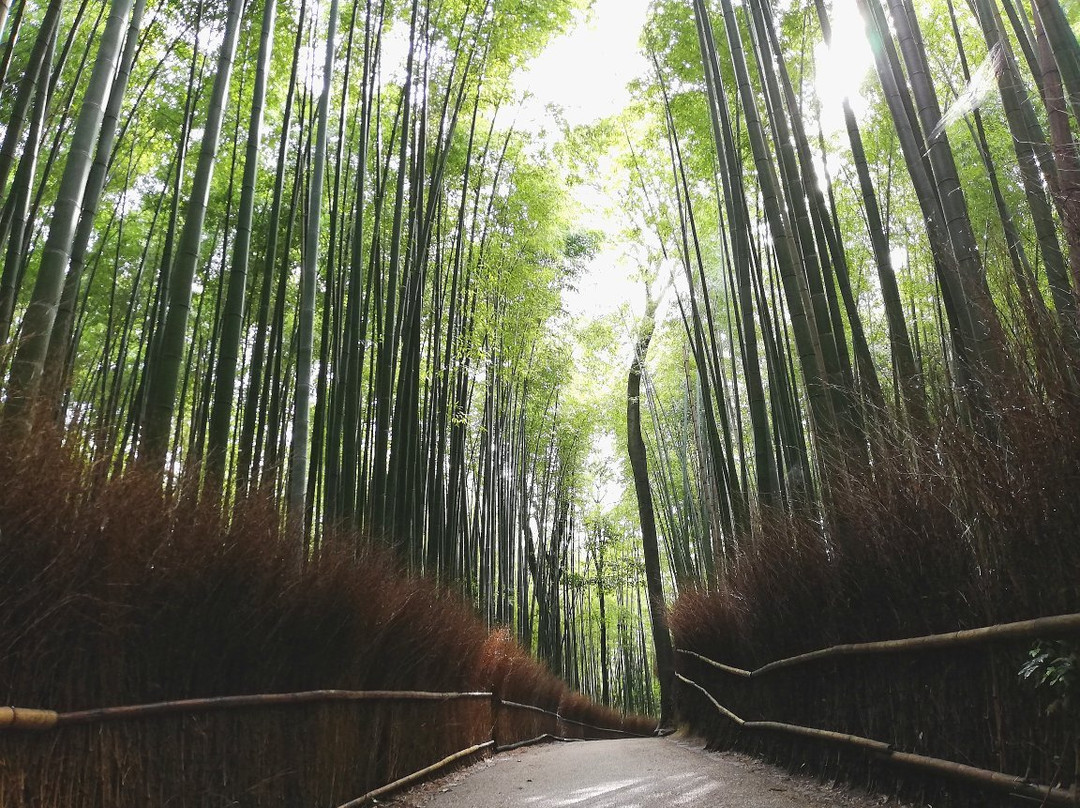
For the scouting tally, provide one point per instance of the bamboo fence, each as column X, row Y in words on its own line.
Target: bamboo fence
column 40, row 721
column 1042, row 628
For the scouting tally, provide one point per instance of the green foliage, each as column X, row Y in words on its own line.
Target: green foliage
column 1054, row 668
column 494, row 230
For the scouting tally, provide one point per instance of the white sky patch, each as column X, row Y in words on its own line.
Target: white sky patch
column 899, row 256
column 609, row 281
column 606, row 456
column 606, row 286
column 583, row 74
column 394, row 53
column 842, row 68
column 585, row 71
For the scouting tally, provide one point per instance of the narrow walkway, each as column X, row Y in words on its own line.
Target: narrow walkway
column 647, row 773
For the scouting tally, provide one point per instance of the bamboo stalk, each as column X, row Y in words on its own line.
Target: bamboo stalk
column 1042, row 627
column 518, row 705
column 718, row 665
column 187, row 706
column 547, row 736
column 416, row 776
column 720, row 708
column 521, row 706
column 23, row 718
column 868, row 744
column 1022, row 630
column 984, row 778
column 602, row 729
column 1012, row 784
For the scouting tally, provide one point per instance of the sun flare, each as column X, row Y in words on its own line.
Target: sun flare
column 842, row 67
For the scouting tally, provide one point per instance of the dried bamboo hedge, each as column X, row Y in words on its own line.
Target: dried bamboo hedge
column 919, row 693
column 237, row 750
column 953, row 526
column 117, row 593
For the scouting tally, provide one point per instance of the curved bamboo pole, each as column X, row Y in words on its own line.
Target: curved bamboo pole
column 983, row 778
column 1038, row 628
column 547, row 736
column 34, row 719
column 564, row 720
column 740, row 672
column 187, row 706
column 371, row 796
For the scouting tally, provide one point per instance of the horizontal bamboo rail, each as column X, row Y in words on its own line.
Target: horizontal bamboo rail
column 26, row 719
column 410, row 779
column 517, row 705
column 21, row 718
column 520, row 706
column 720, row 666
column 371, row 796
column 984, row 778
column 869, row 745
column 1039, row 628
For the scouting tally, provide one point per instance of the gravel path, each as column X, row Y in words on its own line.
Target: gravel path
column 646, row 773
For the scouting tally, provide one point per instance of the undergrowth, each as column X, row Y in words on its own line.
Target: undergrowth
column 115, row 592
column 965, row 524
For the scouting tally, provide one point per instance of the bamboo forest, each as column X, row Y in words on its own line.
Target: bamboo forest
column 343, row 352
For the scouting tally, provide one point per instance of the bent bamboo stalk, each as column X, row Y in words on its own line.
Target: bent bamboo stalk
column 1039, row 628
column 870, row 745
column 416, row 776
column 996, row 781
column 984, row 778
column 745, row 674
column 720, row 708
column 547, row 736
column 25, row 718
column 531, row 707
column 520, row 706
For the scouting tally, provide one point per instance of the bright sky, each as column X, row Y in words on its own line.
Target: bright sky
column 842, row 69
column 585, row 71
